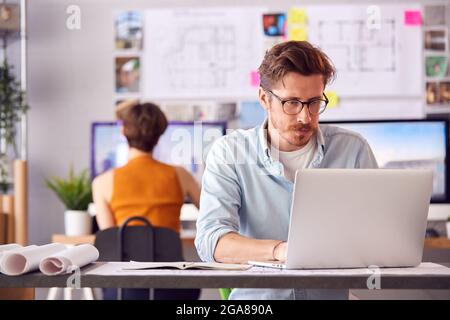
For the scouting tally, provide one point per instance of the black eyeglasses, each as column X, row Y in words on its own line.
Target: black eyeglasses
column 295, row 106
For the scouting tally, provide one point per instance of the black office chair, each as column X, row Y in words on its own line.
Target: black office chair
column 142, row 243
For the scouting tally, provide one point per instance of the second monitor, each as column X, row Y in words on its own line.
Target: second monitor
column 183, row 143
column 409, row 144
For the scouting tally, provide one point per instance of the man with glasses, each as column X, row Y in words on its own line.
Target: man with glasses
column 248, row 182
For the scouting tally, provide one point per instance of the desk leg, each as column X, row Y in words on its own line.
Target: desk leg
column 68, row 293
column 88, row 293
column 52, row 293
column 151, row 294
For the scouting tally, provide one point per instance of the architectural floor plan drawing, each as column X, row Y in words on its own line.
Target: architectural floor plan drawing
column 374, row 55
column 203, row 57
column 356, row 48
column 201, row 53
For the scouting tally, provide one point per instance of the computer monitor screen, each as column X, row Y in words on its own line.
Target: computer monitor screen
column 183, row 143
column 409, row 144
column 109, row 148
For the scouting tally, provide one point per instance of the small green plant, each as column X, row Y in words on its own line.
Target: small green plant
column 75, row 192
column 12, row 108
column 12, row 105
column 5, row 175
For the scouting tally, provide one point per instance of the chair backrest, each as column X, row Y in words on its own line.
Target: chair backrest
column 139, row 243
column 142, row 243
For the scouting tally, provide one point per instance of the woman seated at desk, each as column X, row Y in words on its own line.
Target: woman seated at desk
column 144, row 186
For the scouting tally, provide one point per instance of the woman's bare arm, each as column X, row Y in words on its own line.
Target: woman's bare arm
column 102, row 194
column 189, row 185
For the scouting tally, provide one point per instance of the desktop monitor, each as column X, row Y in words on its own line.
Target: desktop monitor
column 409, row 144
column 183, row 143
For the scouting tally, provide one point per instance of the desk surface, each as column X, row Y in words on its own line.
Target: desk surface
column 261, row 278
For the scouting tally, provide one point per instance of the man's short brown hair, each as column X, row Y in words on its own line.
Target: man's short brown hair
column 143, row 124
column 294, row 56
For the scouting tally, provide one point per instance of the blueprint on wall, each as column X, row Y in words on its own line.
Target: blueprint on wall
column 201, row 52
column 212, row 53
column 371, row 60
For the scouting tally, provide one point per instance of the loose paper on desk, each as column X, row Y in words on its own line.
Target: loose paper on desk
column 183, row 265
column 68, row 260
column 20, row 261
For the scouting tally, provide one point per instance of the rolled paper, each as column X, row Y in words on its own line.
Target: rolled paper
column 69, row 259
column 17, row 262
column 11, row 246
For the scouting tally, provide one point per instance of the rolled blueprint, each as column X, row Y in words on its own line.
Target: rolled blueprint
column 69, row 259
column 11, row 246
column 20, row 261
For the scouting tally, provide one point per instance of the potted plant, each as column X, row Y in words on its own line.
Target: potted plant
column 75, row 192
column 12, row 108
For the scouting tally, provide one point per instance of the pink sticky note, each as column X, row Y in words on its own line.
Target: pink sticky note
column 254, row 78
column 413, row 18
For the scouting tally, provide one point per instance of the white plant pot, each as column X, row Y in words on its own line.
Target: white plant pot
column 77, row 223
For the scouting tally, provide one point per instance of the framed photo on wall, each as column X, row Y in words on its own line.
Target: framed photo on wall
column 129, row 30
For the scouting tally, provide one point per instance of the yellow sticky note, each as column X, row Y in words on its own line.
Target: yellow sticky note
column 298, row 34
column 333, row 99
column 296, row 16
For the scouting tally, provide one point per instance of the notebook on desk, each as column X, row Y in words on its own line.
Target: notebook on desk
column 357, row 218
column 183, row 265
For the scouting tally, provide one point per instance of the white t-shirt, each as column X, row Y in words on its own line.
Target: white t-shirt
column 296, row 160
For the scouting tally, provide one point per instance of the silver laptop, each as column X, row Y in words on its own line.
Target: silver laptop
column 352, row 218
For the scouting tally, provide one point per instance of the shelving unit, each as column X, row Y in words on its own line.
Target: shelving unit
column 436, row 58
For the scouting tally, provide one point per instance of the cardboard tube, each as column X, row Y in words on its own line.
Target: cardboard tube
column 8, row 208
column 20, row 203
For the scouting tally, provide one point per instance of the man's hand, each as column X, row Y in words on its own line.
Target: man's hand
column 280, row 251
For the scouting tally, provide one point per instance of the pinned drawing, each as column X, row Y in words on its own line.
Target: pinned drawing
column 129, row 30
column 436, row 66
column 127, row 74
column 201, row 52
column 274, row 24
column 370, row 61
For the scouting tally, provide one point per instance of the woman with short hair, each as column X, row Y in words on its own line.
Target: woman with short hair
column 144, row 186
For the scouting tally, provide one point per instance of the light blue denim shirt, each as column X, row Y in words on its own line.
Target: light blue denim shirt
column 244, row 190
